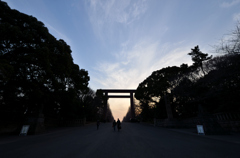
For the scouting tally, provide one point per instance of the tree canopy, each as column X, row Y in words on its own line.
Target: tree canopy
column 37, row 72
column 198, row 58
column 216, row 87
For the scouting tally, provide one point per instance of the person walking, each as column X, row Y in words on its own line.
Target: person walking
column 114, row 124
column 118, row 124
column 98, row 123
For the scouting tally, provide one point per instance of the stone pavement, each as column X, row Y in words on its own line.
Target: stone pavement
column 134, row 140
column 233, row 137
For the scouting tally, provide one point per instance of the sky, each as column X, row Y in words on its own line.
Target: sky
column 121, row 42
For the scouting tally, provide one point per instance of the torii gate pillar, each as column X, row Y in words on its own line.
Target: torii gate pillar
column 132, row 105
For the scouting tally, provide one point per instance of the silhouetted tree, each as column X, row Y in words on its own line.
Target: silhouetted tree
column 216, row 88
column 109, row 117
column 137, row 110
column 37, row 71
column 231, row 43
column 88, row 108
column 151, row 91
column 219, row 91
column 198, row 58
column 104, row 112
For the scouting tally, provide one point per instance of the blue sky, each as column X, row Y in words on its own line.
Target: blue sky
column 121, row 42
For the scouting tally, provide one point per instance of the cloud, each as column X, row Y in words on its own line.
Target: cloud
column 135, row 63
column 105, row 15
column 130, row 67
column 117, row 11
column 236, row 17
column 140, row 49
column 230, row 4
column 176, row 57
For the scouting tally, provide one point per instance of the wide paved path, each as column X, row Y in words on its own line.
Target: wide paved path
column 133, row 141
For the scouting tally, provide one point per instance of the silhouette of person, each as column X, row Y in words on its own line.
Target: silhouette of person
column 98, row 123
column 118, row 124
column 114, row 124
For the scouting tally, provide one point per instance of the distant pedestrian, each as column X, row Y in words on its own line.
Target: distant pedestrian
column 98, row 123
column 114, row 124
column 118, row 124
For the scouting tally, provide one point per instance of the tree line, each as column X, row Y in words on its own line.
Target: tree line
column 38, row 76
column 37, row 73
column 212, row 82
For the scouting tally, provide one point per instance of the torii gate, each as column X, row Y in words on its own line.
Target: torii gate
column 131, row 91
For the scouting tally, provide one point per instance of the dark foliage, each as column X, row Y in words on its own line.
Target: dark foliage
column 219, row 89
column 37, row 73
column 198, row 58
column 216, row 88
column 152, row 90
